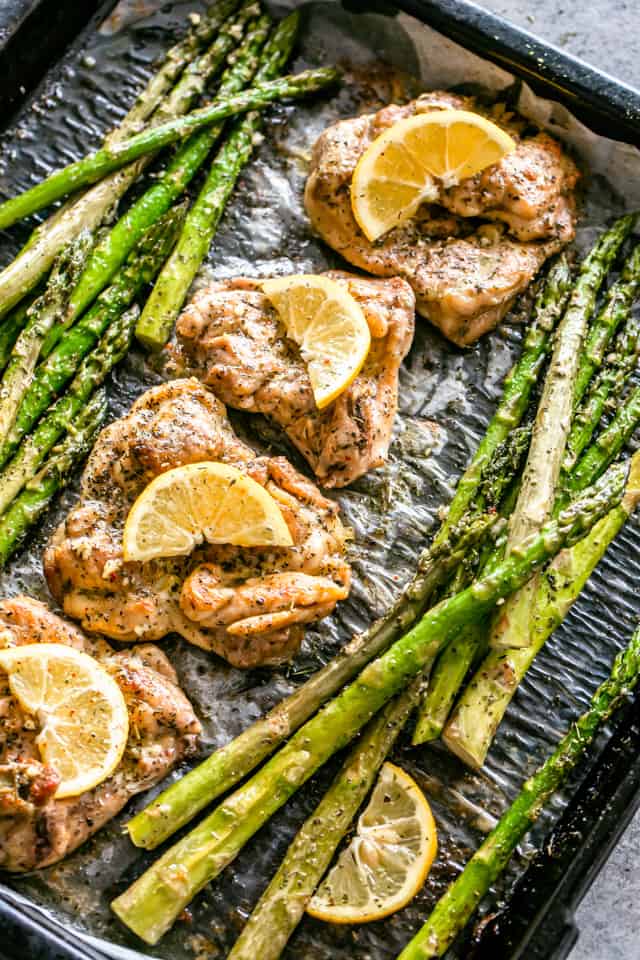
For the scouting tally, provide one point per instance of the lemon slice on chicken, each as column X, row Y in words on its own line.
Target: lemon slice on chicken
column 83, row 717
column 209, row 501
column 412, row 161
column 328, row 326
column 388, row 860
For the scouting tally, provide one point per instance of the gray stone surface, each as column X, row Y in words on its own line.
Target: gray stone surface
column 607, row 35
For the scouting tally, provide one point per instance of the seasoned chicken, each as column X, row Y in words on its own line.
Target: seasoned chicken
column 232, row 339
column 249, row 605
column 36, row 830
column 465, row 273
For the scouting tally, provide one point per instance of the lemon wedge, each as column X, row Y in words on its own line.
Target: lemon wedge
column 388, row 860
column 415, row 158
column 202, row 501
column 83, row 717
column 328, row 326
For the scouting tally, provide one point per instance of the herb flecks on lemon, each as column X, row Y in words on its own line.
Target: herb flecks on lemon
column 388, row 860
column 412, row 161
column 80, row 710
column 207, row 501
column 328, row 326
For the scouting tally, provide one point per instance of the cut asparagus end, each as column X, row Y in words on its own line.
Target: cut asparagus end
column 446, row 680
column 470, row 731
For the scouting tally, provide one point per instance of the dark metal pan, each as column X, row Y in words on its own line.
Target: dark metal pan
column 537, row 922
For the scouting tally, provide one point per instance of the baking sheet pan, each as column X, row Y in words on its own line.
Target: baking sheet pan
column 446, row 398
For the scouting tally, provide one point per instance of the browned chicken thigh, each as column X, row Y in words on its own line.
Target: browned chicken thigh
column 465, row 274
column 36, row 830
column 249, row 605
column 232, row 339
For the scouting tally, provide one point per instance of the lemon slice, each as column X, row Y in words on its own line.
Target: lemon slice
column 83, row 718
column 415, row 158
column 202, row 501
column 388, row 860
column 329, row 327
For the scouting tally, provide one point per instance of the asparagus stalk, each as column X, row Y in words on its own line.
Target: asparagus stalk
column 457, row 659
column 505, row 466
column 156, row 200
column 606, row 447
column 29, row 506
column 455, row 908
column 229, row 33
column 41, row 316
column 283, row 903
column 616, row 309
column 63, row 415
column 170, row 290
column 13, row 326
column 178, row 58
column 551, row 428
column 447, row 677
column 610, row 382
column 87, row 211
column 177, row 805
column 518, row 386
column 478, row 714
column 53, row 375
column 97, row 165
column 150, row 906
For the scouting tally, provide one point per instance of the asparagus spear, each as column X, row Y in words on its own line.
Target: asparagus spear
column 226, row 766
column 518, row 386
column 454, row 909
column 12, row 327
column 52, row 375
column 41, row 316
column 29, row 506
column 610, row 382
column 88, row 210
column 457, row 658
column 447, row 677
column 551, row 428
column 170, row 290
column 505, row 465
column 150, row 906
column 96, row 165
column 616, row 308
column 283, row 903
column 178, row 58
column 63, row 414
column 156, row 200
column 607, row 445
column 201, row 71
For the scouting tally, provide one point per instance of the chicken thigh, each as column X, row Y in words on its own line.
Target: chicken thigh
column 467, row 257
column 37, row 830
column 249, row 605
column 232, row 339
